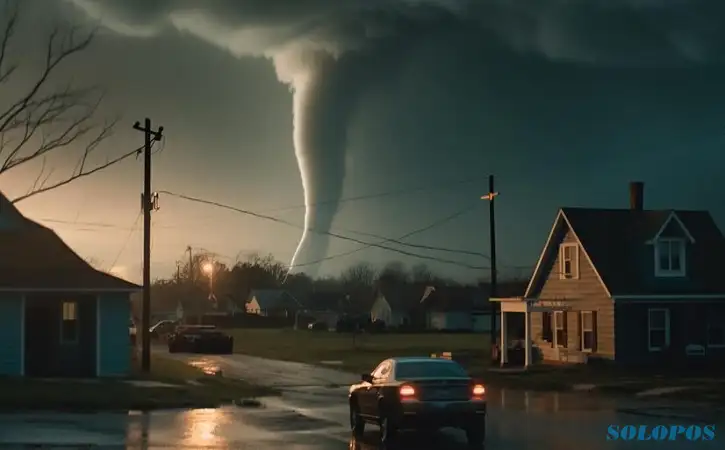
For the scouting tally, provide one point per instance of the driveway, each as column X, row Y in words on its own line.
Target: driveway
column 311, row 414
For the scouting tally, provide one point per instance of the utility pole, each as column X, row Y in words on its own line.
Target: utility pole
column 191, row 264
column 492, row 194
column 149, row 202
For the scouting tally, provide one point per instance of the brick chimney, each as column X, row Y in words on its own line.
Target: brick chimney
column 636, row 195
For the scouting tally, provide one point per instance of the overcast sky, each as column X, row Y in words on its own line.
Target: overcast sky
column 564, row 104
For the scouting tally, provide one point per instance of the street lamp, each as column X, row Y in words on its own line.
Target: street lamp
column 208, row 268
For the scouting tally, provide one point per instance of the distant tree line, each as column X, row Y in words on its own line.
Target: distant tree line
column 233, row 283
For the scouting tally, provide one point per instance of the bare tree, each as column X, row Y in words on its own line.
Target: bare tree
column 48, row 117
column 361, row 274
column 394, row 272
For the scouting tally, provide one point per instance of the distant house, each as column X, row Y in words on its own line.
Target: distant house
column 631, row 285
column 398, row 305
column 58, row 315
column 459, row 308
column 326, row 306
column 272, row 303
column 453, row 307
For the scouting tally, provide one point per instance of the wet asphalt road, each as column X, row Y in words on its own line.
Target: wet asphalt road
column 312, row 414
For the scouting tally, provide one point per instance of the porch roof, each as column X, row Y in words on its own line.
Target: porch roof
column 527, row 305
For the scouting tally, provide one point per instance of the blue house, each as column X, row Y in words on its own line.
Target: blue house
column 59, row 317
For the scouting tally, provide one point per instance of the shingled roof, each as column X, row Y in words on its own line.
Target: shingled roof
column 35, row 258
column 616, row 243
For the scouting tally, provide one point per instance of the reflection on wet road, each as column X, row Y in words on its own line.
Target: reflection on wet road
column 312, row 414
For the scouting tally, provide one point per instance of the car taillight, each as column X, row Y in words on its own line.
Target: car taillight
column 407, row 391
column 478, row 390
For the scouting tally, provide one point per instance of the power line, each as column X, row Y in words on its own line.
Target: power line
column 420, row 246
column 435, row 224
column 425, row 188
column 134, row 227
column 335, row 235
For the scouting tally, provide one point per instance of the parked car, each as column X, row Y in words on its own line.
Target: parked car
column 162, row 329
column 200, row 339
column 318, row 326
column 420, row 394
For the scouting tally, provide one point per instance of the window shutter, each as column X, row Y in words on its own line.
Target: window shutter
column 565, row 318
column 580, row 330
column 595, row 331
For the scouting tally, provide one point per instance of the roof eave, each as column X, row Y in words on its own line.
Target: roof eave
column 65, row 289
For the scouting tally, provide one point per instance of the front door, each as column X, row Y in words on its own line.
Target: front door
column 60, row 336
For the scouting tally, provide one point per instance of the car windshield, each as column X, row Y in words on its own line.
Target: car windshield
column 407, row 370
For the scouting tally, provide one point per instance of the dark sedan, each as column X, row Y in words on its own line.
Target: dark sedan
column 200, row 339
column 419, row 394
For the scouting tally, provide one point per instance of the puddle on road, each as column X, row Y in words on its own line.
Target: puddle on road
column 287, row 421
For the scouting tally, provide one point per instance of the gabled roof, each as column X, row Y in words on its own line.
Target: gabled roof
column 274, row 298
column 34, row 258
column 615, row 242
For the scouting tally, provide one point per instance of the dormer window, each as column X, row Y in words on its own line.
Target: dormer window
column 670, row 257
column 569, row 261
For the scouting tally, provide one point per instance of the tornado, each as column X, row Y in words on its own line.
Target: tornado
column 322, row 103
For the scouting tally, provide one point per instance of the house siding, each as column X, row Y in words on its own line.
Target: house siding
column 114, row 355
column 583, row 294
column 688, row 325
column 450, row 320
column 482, row 322
column 381, row 310
column 11, row 319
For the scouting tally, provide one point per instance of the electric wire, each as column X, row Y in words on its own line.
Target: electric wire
column 134, row 228
column 425, row 188
column 431, row 226
column 331, row 234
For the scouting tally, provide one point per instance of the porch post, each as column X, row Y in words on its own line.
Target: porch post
column 527, row 318
column 504, row 345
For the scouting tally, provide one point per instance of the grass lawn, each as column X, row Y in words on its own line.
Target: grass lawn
column 359, row 355
column 363, row 354
column 178, row 386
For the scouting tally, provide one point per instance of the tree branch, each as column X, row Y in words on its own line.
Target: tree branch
column 45, row 119
column 77, row 175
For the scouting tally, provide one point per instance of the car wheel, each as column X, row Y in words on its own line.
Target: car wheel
column 387, row 431
column 357, row 425
column 476, row 435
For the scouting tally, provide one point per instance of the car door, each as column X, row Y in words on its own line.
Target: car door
column 367, row 396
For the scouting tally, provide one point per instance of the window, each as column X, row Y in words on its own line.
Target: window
column 408, row 370
column 715, row 329
column 69, row 322
column 569, row 261
column 670, row 258
column 589, row 331
column 560, row 327
column 658, row 329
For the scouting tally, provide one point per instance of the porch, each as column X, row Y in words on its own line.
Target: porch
column 527, row 307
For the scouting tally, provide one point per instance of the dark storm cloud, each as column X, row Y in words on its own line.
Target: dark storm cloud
column 319, row 48
column 595, row 31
